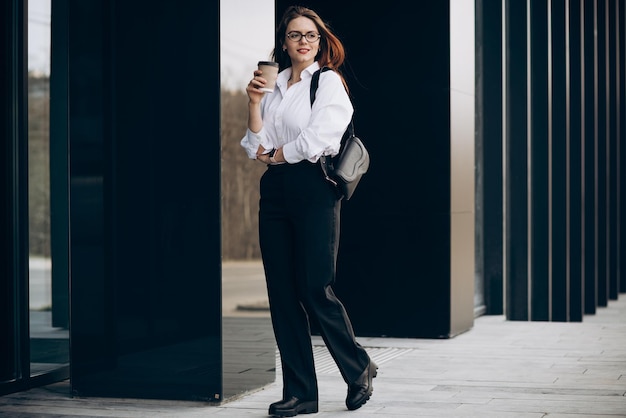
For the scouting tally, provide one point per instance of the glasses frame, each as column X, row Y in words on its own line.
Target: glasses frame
column 303, row 36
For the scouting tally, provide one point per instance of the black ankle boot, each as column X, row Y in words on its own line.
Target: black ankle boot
column 360, row 391
column 292, row 407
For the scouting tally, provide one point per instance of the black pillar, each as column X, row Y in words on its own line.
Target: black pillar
column 612, row 152
column 559, row 159
column 620, row 17
column 59, row 166
column 14, row 330
column 601, row 155
column 575, row 165
column 539, row 162
column 399, row 275
column 589, row 117
column 489, row 214
column 145, row 234
column 516, row 162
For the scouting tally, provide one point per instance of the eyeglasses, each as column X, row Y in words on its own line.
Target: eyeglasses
column 309, row 36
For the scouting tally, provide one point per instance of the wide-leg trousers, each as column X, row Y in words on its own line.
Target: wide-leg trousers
column 299, row 238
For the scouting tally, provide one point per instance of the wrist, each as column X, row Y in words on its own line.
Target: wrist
column 254, row 104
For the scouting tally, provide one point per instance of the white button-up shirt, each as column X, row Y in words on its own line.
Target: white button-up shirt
column 289, row 121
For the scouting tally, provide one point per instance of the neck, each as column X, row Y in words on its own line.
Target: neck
column 297, row 68
column 295, row 76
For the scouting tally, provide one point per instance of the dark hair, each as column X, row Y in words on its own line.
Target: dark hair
column 331, row 53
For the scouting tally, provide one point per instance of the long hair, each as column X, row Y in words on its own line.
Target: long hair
column 332, row 52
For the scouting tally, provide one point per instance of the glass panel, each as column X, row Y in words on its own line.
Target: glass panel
column 247, row 329
column 49, row 344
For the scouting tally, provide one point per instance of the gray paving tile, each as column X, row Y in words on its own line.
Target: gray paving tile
column 499, row 369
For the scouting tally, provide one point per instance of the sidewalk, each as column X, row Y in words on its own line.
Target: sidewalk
column 498, row 369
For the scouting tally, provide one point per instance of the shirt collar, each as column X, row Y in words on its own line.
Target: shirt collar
column 284, row 76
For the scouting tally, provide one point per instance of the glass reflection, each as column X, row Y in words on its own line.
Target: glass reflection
column 249, row 348
column 49, row 337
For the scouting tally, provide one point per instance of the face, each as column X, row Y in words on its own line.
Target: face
column 302, row 52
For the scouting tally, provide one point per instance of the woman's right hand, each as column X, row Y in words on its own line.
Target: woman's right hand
column 253, row 87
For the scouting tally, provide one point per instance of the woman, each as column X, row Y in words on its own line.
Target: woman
column 299, row 211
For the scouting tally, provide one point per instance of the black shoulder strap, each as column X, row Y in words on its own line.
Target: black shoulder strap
column 315, row 82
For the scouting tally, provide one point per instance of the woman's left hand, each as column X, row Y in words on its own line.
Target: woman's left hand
column 262, row 156
column 265, row 157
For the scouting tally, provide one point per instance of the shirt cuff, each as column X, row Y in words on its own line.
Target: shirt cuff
column 252, row 142
column 254, row 138
column 290, row 154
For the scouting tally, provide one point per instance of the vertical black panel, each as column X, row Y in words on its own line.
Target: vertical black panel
column 612, row 151
column 558, row 164
column 601, row 155
column 145, row 200
column 621, row 142
column 489, row 201
column 59, row 165
column 401, row 261
column 589, row 160
column 92, row 341
column 516, row 215
column 575, row 166
column 14, row 331
column 540, row 96
column 166, row 172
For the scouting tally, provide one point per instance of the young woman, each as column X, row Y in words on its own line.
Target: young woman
column 299, row 212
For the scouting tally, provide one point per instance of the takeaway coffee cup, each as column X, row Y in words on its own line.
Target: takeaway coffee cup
column 270, row 73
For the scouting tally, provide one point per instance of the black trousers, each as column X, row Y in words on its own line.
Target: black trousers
column 299, row 238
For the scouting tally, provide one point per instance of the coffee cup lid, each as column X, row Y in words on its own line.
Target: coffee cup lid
column 272, row 63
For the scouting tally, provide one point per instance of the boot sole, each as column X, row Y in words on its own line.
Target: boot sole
column 303, row 408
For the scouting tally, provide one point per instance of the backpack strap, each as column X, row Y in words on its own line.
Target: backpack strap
column 315, row 82
column 326, row 162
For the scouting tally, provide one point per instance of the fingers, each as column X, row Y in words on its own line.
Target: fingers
column 257, row 82
column 264, row 158
column 254, row 87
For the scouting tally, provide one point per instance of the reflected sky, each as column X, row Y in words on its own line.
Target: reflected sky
column 39, row 36
column 247, row 36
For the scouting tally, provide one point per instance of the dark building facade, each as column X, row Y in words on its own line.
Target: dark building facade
column 497, row 131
